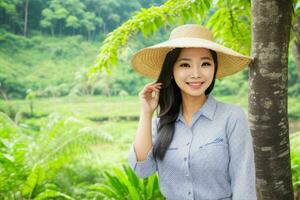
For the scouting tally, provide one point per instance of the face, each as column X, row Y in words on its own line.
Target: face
column 193, row 71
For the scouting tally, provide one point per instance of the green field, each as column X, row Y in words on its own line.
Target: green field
column 108, row 113
column 109, row 125
column 101, row 108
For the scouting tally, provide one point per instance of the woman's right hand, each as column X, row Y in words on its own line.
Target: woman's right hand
column 148, row 102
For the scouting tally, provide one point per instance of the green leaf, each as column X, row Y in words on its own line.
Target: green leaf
column 133, row 193
column 50, row 194
column 34, row 179
column 123, row 178
column 148, row 21
column 150, row 186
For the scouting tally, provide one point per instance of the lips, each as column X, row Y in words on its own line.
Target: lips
column 195, row 85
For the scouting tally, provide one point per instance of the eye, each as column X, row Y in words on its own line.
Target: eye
column 184, row 65
column 206, row 64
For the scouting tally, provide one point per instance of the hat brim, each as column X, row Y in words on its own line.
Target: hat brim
column 149, row 61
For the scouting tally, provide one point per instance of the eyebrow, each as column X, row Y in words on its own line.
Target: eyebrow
column 202, row 58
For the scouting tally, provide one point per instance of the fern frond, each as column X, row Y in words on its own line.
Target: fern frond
column 63, row 139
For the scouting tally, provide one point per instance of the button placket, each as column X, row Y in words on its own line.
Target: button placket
column 188, row 147
column 190, row 194
column 187, row 162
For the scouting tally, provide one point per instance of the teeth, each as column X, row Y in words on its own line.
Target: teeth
column 195, row 83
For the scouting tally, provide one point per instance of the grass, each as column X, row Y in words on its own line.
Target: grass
column 101, row 106
column 87, row 167
column 295, row 161
column 98, row 107
column 116, row 153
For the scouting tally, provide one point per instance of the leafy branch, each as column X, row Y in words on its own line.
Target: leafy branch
column 147, row 21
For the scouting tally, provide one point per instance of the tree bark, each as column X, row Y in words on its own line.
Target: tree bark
column 25, row 17
column 268, row 114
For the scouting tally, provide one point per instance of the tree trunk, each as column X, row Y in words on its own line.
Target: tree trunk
column 3, row 93
column 52, row 30
column 25, row 17
column 31, row 108
column 268, row 114
column 296, row 44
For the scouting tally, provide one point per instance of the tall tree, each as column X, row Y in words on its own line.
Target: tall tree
column 25, row 17
column 268, row 113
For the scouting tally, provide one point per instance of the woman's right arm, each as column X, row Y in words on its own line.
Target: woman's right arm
column 143, row 138
column 146, row 167
column 140, row 156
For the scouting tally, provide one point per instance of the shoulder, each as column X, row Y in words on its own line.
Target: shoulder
column 237, row 119
column 232, row 111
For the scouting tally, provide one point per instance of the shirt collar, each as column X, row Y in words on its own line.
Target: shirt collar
column 207, row 109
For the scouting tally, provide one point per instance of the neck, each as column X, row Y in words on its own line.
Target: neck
column 191, row 104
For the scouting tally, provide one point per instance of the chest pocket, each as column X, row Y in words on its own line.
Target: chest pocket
column 172, row 152
column 213, row 154
column 216, row 142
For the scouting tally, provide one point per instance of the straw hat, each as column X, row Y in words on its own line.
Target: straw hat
column 148, row 61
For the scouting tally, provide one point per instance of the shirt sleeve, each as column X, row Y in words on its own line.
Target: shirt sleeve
column 241, row 159
column 147, row 167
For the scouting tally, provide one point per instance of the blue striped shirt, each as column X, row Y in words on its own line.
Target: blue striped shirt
column 213, row 158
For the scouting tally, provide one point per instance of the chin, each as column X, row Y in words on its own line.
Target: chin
column 195, row 93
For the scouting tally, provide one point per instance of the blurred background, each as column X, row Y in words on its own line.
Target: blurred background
column 64, row 136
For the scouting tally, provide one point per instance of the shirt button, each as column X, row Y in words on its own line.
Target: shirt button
column 185, row 158
column 189, row 192
column 187, row 143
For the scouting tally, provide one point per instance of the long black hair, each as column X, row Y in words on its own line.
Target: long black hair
column 169, row 102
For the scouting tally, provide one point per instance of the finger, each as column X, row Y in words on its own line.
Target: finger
column 148, row 89
column 149, row 93
column 153, row 83
column 157, row 86
column 156, row 96
column 151, row 88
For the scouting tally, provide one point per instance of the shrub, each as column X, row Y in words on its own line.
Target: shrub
column 295, row 161
column 124, row 184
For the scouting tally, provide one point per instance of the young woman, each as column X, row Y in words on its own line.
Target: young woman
column 201, row 148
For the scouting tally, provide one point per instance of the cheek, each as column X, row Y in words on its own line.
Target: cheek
column 209, row 73
column 180, row 79
column 179, row 74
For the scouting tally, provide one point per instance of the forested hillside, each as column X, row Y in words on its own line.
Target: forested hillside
column 49, row 51
column 89, row 18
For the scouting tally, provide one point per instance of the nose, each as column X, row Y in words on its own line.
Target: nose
column 196, row 71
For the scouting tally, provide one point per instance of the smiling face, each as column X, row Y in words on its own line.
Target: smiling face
column 193, row 71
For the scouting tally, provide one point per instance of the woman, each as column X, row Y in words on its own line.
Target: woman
column 200, row 147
